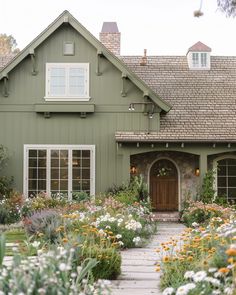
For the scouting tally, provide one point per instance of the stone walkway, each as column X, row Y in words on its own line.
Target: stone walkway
column 138, row 275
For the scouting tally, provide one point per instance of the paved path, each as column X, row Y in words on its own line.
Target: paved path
column 138, row 275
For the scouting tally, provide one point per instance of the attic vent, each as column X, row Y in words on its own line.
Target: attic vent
column 69, row 48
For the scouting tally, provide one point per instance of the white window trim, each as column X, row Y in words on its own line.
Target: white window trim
column 69, row 147
column 199, row 66
column 215, row 166
column 48, row 97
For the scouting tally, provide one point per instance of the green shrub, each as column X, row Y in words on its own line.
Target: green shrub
column 80, row 197
column 207, row 194
column 5, row 186
column 10, row 208
column 45, row 223
column 41, row 202
column 109, row 261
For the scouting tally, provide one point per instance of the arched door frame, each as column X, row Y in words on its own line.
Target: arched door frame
column 178, row 176
column 215, row 163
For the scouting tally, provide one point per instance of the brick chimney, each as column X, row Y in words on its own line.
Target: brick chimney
column 110, row 37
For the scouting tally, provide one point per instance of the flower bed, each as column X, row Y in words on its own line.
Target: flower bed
column 91, row 232
column 203, row 261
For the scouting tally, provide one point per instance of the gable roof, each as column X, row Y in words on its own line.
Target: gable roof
column 66, row 17
column 203, row 102
column 199, row 46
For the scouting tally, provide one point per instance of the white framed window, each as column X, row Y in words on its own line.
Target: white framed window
column 59, row 169
column 195, row 59
column 200, row 60
column 67, row 81
column 226, row 178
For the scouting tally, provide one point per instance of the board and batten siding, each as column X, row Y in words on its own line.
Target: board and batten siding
column 20, row 124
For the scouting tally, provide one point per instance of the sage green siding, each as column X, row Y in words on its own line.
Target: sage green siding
column 20, row 124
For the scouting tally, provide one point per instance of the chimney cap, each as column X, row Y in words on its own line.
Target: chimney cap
column 199, row 46
column 110, row 27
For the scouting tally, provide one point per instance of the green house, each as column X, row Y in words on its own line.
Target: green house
column 77, row 116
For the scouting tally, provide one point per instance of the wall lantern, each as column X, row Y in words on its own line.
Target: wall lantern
column 150, row 112
column 197, row 171
column 133, row 170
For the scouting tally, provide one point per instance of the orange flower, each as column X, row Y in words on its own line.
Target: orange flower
column 65, row 240
column 231, row 252
column 223, row 270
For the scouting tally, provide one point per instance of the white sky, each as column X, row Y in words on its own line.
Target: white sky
column 164, row 27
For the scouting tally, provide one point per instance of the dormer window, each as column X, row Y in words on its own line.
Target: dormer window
column 199, row 57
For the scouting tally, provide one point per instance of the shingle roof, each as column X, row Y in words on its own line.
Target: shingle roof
column 5, row 59
column 199, row 46
column 203, row 101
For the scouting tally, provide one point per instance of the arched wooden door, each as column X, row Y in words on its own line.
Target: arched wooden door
column 164, row 186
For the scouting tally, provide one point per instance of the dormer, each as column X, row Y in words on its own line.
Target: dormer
column 199, row 57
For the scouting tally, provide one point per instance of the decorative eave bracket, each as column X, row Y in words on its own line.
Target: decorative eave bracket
column 99, row 55
column 5, row 85
column 124, row 77
column 32, row 56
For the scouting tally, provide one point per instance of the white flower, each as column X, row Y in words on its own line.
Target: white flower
column 195, row 224
column 168, row 291
column 62, row 266
column 36, row 244
column 199, row 276
column 79, row 268
column 189, row 274
column 118, row 236
column 121, row 243
column 228, row 291
column 136, row 240
column 183, row 290
column 213, row 281
column 216, row 292
column 212, row 269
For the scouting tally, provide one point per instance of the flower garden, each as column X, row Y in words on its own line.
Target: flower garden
column 62, row 247
column 203, row 259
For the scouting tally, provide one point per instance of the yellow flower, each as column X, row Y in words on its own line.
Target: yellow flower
column 190, row 258
column 166, row 259
column 157, row 268
column 230, row 260
column 65, row 240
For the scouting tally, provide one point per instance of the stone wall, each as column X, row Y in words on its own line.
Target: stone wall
column 186, row 165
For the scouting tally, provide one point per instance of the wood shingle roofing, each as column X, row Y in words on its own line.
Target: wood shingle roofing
column 203, row 101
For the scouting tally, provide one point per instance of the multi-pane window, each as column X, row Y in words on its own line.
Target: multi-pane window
column 195, row 59
column 64, row 170
column 67, row 81
column 226, row 179
column 199, row 60
column 203, row 59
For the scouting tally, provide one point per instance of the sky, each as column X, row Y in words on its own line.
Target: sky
column 163, row 27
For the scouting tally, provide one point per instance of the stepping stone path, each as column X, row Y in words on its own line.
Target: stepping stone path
column 138, row 275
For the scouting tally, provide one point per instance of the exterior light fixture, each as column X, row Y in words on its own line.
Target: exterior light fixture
column 131, row 107
column 150, row 115
column 133, row 170
column 197, row 171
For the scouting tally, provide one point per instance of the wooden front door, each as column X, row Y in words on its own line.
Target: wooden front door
column 164, row 186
